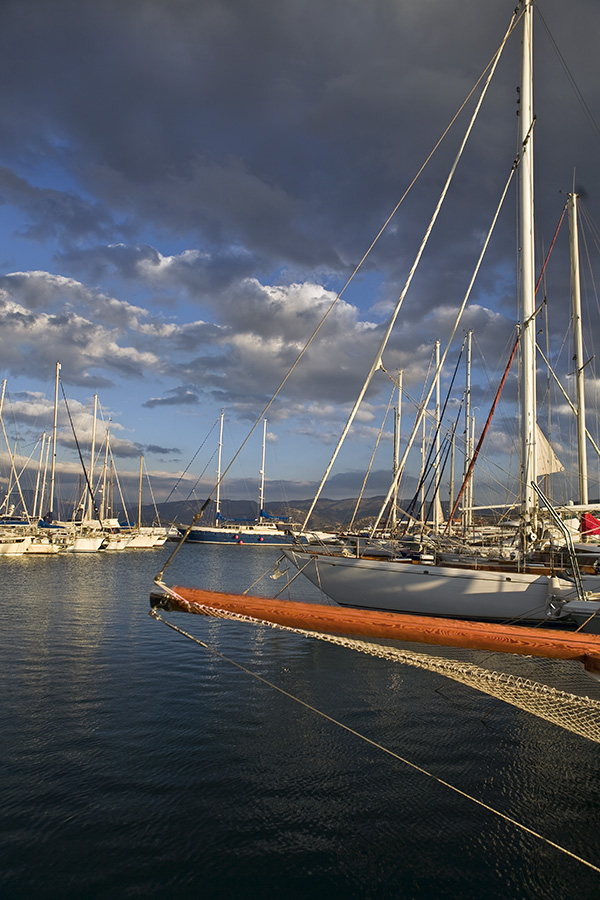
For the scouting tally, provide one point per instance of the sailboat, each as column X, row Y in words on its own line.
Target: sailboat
column 143, row 537
column 529, row 589
column 264, row 530
column 24, row 533
column 502, row 590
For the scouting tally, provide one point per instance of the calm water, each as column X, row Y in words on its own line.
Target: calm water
column 137, row 764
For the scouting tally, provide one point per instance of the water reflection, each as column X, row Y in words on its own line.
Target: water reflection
column 137, row 763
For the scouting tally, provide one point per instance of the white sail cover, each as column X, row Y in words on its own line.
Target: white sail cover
column 547, row 460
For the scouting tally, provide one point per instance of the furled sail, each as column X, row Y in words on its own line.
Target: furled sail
column 547, row 460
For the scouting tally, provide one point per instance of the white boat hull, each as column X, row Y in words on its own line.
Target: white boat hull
column 141, row 540
column 117, row 542
column 86, row 544
column 427, row 589
column 46, row 546
column 14, row 546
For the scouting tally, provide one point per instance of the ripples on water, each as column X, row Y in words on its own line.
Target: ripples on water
column 137, row 764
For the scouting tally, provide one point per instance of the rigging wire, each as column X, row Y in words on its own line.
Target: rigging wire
column 516, row 17
column 442, row 361
column 494, row 479
column 192, row 490
column 570, row 77
column 371, row 461
column 519, row 825
column 439, row 425
column 181, row 477
column 594, row 237
column 85, row 474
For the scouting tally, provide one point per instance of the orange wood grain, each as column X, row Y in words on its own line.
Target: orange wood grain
column 547, row 642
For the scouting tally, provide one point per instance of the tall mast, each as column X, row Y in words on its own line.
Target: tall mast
column 104, row 506
column 396, row 457
column 53, row 460
column 140, row 494
column 578, row 348
column 261, row 489
column 527, row 311
column 451, row 489
column 422, row 473
column 436, row 494
column 218, row 493
column 467, row 516
column 44, row 475
column 38, row 477
column 13, row 471
column 90, row 503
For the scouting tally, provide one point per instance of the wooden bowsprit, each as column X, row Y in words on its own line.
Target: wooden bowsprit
column 548, row 642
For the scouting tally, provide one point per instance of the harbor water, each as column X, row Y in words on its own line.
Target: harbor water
column 138, row 763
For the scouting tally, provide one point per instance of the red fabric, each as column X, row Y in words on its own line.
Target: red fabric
column 589, row 524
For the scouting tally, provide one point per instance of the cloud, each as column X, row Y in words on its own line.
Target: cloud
column 179, row 220
column 50, row 213
column 157, row 450
column 176, row 397
column 44, row 327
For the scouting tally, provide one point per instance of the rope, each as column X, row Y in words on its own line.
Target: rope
column 378, row 746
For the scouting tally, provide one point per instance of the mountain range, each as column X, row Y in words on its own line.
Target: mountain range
column 327, row 515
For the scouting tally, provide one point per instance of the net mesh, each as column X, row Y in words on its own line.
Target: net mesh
column 501, row 676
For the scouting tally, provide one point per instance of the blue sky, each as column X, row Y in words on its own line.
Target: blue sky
column 184, row 187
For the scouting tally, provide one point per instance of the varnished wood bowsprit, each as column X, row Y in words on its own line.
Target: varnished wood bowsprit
column 552, row 643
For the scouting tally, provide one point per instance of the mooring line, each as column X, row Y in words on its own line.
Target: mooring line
column 378, row 746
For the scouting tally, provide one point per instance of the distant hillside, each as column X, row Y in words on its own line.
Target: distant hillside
column 328, row 514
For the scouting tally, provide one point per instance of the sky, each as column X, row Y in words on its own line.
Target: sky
column 186, row 185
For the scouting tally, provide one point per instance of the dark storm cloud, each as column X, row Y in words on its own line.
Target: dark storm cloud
column 100, row 260
column 193, row 272
column 289, row 128
column 52, row 213
column 270, row 139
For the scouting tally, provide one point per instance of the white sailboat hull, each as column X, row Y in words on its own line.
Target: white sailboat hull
column 46, row 546
column 14, row 546
column 86, row 544
column 422, row 589
column 117, row 542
